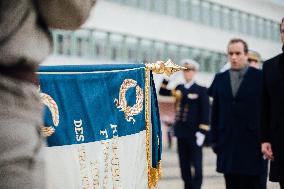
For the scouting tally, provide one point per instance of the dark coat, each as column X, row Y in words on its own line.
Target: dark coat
column 192, row 113
column 272, row 128
column 235, row 124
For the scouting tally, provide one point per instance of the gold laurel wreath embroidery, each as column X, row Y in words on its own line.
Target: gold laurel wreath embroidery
column 121, row 103
column 51, row 104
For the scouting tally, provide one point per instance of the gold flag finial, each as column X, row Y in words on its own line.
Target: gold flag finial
column 161, row 67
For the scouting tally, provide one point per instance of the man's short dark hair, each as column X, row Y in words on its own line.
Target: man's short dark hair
column 238, row 40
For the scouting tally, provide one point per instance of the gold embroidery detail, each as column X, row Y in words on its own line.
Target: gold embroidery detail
column 115, row 163
column 82, row 152
column 52, row 106
column 204, row 127
column 94, row 166
column 121, row 103
column 106, row 151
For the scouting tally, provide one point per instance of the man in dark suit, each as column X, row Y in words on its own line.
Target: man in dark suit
column 272, row 128
column 235, row 120
column 191, row 124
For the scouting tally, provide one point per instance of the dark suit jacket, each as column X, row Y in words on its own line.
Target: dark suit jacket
column 272, row 127
column 235, row 124
column 196, row 117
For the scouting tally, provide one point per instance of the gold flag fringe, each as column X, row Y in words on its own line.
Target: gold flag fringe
column 154, row 174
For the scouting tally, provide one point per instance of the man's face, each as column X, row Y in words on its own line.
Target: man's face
column 189, row 75
column 237, row 55
column 282, row 32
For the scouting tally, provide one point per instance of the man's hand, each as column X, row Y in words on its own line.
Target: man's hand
column 199, row 138
column 267, row 150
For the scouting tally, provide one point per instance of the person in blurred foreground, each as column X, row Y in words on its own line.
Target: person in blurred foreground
column 24, row 42
column 191, row 124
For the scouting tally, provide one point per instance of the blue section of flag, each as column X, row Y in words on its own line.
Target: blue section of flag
column 89, row 97
column 89, row 68
column 156, row 126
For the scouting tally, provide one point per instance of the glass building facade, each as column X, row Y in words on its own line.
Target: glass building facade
column 108, row 46
column 211, row 14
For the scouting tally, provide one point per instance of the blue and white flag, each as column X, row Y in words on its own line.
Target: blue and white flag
column 102, row 127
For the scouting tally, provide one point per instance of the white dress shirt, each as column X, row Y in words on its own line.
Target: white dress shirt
column 189, row 84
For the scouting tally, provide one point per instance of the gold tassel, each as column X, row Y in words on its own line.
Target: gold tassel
column 169, row 67
column 154, row 174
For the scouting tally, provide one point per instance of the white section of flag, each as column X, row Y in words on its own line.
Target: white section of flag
column 84, row 165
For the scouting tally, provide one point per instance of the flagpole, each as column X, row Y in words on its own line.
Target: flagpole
column 160, row 67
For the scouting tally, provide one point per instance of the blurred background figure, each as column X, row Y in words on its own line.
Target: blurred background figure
column 167, row 121
column 25, row 41
column 235, row 120
column 191, row 124
column 254, row 59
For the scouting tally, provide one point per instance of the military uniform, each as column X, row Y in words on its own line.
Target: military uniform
column 192, row 116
